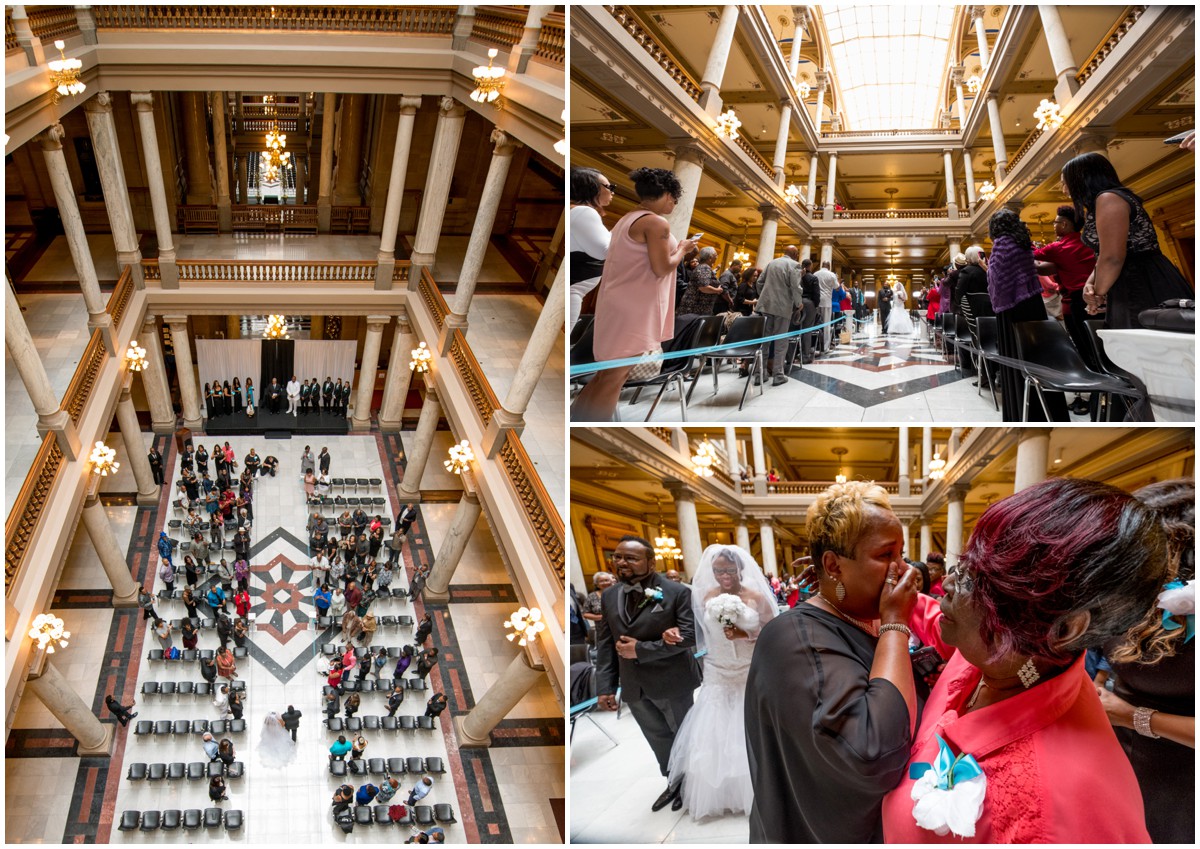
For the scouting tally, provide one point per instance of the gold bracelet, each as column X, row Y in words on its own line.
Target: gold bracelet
column 895, row 626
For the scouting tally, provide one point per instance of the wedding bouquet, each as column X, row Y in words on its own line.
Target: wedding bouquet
column 727, row 609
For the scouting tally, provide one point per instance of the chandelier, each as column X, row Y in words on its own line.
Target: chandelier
column 987, row 191
column 840, row 452
column 488, row 80
column 937, row 467
column 48, row 630
column 664, row 546
column 973, row 84
column 1049, row 118
column 103, row 460
column 135, row 357
column 741, row 254
column 792, row 193
column 526, row 624
column 274, row 159
column 461, row 456
column 703, row 459
column 64, row 74
column 276, row 327
column 727, row 125
column 891, row 213
column 560, row 146
column 420, row 359
column 804, row 89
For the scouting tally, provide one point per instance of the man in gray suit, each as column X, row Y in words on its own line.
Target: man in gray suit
column 829, row 282
column 657, row 678
column 779, row 296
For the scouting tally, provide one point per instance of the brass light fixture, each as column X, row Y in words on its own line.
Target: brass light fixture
column 804, row 90
column 704, row 459
column 461, row 457
column 64, row 75
column 891, row 192
column 987, row 191
column 727, row 125
column 526, row 624
column 489, row 80
column 937, row 467
column 664, row 546
column 420, row 359
column 1048, row 115
column 276, row 327
column 741, row 254
column 973, row 83
column 793, row 192
column 135, row 357
column 103, row 460
column 840, row 452
column 48, row 630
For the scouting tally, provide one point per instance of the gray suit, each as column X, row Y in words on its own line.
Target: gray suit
column 658, row 685
column 779, row 296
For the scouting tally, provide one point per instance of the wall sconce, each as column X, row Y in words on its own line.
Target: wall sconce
column 47, row 630
column 135, row 357
column 64, row 74
column 276, row 327
column 560, row 146
column 727, row 125
column 1049, row 118
column 526, row 624
column 103, row 460
column 461, row 457
column 703, row 459
column 937, row 467
column 488, row 80
column 987, row 191
column 420, row 359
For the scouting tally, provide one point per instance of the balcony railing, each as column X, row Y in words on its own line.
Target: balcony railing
column 1119, row 30
column 888, row 214
column 1025, row 147
column 29, row 506
column 10, row 32
column 84, row 380
column 543, row 515
column 502, row 27
column 817, row 487
column 51, row 22
column 118, row 302
column 850, row 135
column 407, row 20
column 658, row 53
column 755, row 156
column 269, row 271
column 552, row 40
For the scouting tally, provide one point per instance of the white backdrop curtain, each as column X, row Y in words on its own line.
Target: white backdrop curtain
column 224, row 359
column 321, row 358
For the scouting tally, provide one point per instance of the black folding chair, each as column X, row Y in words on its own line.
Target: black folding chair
column 745, row 329
column 1050, row 361
column 674, row 372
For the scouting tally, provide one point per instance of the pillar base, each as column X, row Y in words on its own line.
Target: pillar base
column 126, row 600
column 358, row 425
column 324, row 214
column 148, row 499
column 59, row 425
column 102, row 749
column 103, row 323
column 386, row 426
column 498, row 428
column 225, row 216
column 168, row 270
column 445, row 339
column 465, row 740
column 424, row 259
column 166, row 428
column 193, row 424
column 952, row 213
column 828, row 212
column 383, row 272
column 133, row 259
column 428, row 595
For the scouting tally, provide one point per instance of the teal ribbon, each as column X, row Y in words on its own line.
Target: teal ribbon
column 1168, row 618
column 949, row 769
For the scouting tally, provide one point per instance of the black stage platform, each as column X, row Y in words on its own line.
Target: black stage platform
column 277, row 425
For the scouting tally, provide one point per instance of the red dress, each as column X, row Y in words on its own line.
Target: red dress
column 1055, row 772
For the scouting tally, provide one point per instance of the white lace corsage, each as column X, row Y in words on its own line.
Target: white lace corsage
column 726, row 608
column 949, row 793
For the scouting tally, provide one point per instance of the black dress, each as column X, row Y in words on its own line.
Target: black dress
column 227, row 398
column 1147, row 278
column 208, row 402
column 1165, row 770
column 1012, row 382
column 825, row 742
column 237, row 396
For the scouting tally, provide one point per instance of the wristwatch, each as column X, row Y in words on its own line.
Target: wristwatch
column 1141, row 722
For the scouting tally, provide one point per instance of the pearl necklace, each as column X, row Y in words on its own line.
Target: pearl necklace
column 869, row 628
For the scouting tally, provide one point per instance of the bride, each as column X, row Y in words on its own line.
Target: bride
column 899, row 321
column 731, row 601
column 275, row 746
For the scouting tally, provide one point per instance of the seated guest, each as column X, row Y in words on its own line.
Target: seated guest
column 270, row 464
column 703, row 291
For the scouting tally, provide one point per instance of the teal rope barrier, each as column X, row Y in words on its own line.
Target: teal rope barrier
column 604, row 365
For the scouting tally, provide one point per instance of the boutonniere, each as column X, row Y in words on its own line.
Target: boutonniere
column 948, row 794
column 651, row 594
column 1178, row 604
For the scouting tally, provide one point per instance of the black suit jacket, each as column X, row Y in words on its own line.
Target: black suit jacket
column 660, row 670
column 291, row 718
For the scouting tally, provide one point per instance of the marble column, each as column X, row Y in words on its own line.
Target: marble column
column 926, row 540
column 51, row 419
column 826, row 255
column 831, row 186
column 731, row 453
column 349, row 153
column 30, row 44
column 1033, row 456
column 454, row 543
column 906, row 530
column 300, row 163
column 805, row 251
column 954, row 522
column 81, row 254
column 770, row 231
column 360, row 422
column 951, row 201
column 954, row 246
column 221, row 163
column 325, row 183
column 473, row 730
column 926, row 451
column 741, row 534
column 195, row 135
column 418, row 453
column 451, row 116
column 904, row 463
column 189, row 393
column 99, row 530
column 956, row 80
column 103, row 131
column 781, row 141
column 980, row 34
column 970, row 172
column 398, row 376
column 955, row 443
column 1065, row 66
column 86, row 22
column 998, row 150
column 689, row 526
column 143, row 101
column 55, row 692
column 395, row 193
column 814, row 160
column 242, row 165
column 798, row 14
column 135, row 447
column 760, row 460
column 481, row 236
column 546, row 332
column 718, row 58
column 154, row 379
column 689, row 167
column 822, row 88
column 767, row 539
column 524, row 50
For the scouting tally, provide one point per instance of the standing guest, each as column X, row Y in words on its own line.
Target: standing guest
column 240, row 631
column 1131, row 273
column 635, row 305
column 305, row 396
column 221, row 701
column 337, row 603
column 227, row 398
column 424, row 629
column 208, row 670
column 746, row 294
column 235, row 703
column 343, row 798
column 403, row 662
column 345, row 398
column 156, row 465
column 426, row 660
column 241, row 574
column 226, row 665
column 591, row 605
column 209, row 406
column 334, row 679
column 417, row 585
column 308, row 463
column 241, row 545
column 352, row 704
column 216, row 789
column 164, row 547
column 291, row 720
column 270, row 464
column 211, row 748
column 190, row 602
column 395, row 699
column 323, row 460
column 253, row 462
column 327, row 393
column 340, row 748
column 828, row 280
column 345, row 524
column 237, row 395
column 353, row 595
column 166, row 574
column 351, row 627
column 187, row 458
column 215, row 598
column 420, row 791
column 375, row 541
column 118, row 710
column 146, row 603
column 362, row 548
column 224, row 629
column 702, row 292
column 384, row 580
column 591, row 192
column 190, row 634
column 321, row 599
column 366, row 794
column 225, row 753
column 936, row 562
column 333, row 704
column 225, row 571
column 779, row 297
column 202, row 460
column 436, row 704
column 387, row 789
column 359, row 748
column 407, row 516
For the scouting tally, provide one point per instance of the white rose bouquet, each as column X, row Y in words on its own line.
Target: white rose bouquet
column 727, row 609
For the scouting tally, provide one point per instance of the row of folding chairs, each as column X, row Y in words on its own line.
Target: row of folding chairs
column 402, row 620
column 189, row 688
column 358, row 484
column 333, row 506
column 166, row 727
column 351, row 684
column 192, row 655
column 421, row 815
column 389, row 767
column 404, row 722
column 172, row 820
column 331, row 649
column 178, row 771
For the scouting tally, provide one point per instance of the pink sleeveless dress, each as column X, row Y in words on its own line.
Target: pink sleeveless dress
column 635, row 310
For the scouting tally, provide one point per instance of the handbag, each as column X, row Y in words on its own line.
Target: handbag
column 649, row 369
column 1175, row 316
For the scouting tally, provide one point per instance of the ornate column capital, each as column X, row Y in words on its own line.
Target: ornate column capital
column 448, row 107
column 505, row 145
column 174, row 321
column 402, row 321
column 800, row 16
column 100, row 102
column 143, row 100
column 378, row 321
column 409, row 105
column 679, row 490
column 959, row 491
column 769, row 212
column 691, row 152
column 976, row 13
column 956, row 75
column 52, row 137
column 822, row 79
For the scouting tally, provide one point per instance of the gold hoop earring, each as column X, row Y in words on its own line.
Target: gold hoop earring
column 840, row 590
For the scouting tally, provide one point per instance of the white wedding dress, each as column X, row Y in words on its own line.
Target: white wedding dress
column 899, row 321
column 710, row 748
column 275, row 746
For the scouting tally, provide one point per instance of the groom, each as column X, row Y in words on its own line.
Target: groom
column 657, row 680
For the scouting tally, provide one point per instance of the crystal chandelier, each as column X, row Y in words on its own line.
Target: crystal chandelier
column 891, row 213
column 103, row 460
column 526, row 624
column 987, row 191
column 461, row 456
column 47, row 630
column 488, row 80
column 276, row 327
column 274, row 159
column 1049, row 118
column 420, row 359
column 64, row 74
column 937, row 467
column 804, row 89
column 792, row 193
column 136, row 357
column 973, row 84
column 664, row 546
column 741, row 254
column 704, row 459
column 727, row 125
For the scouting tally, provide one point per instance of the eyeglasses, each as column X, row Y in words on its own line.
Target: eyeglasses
column 729, row 571
column 963, row 582
column 609, row 186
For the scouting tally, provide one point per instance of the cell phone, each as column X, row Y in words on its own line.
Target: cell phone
column 696, row 238
column 925, row 661
column 1177, row 139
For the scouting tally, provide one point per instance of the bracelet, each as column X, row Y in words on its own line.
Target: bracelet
column 1141, row 722
column 895, row 626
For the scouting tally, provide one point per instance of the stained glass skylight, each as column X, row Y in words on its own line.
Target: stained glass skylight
column 889, row 62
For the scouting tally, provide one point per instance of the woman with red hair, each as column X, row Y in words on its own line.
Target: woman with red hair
column 1014, row 745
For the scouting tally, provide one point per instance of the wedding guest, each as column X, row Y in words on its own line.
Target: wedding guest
column 591, row 192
